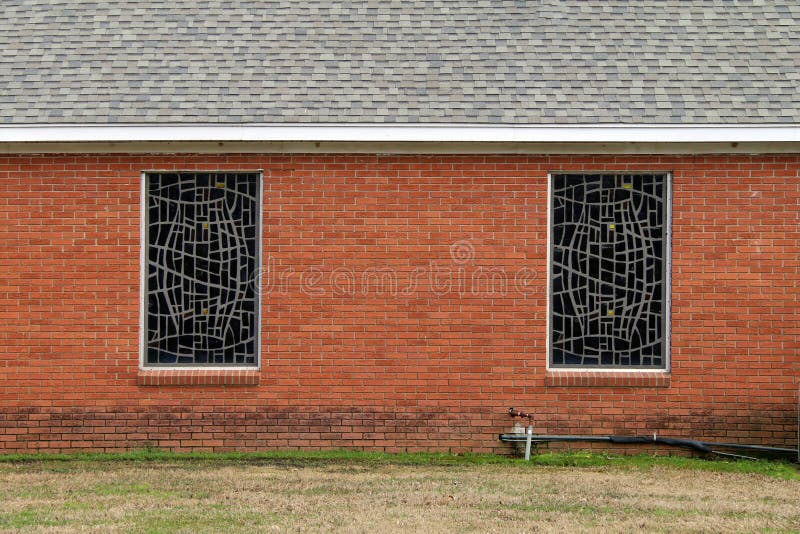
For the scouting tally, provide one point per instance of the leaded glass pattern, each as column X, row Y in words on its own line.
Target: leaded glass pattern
column 202, row 257
column 609, row 240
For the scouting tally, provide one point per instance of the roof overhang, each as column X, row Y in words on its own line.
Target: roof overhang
column 402, row 137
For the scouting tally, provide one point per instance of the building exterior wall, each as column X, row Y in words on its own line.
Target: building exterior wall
column 404, row 307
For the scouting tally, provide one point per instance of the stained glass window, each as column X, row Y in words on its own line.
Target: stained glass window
column 609, row 250
column 202, row 258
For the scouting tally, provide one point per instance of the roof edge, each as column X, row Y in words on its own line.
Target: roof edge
column 371, row 147
column 429, row 133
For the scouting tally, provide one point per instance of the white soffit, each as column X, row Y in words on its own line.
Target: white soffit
column 432, row 133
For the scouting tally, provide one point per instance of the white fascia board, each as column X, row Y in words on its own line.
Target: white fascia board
column 614, row 133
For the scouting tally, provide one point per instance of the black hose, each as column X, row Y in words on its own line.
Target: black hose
column 699, row 446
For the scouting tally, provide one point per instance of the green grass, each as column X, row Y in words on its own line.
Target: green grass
column 217, row 518
column 58, row 462
column 344, row 491
column 771, row 468
column 30, row 517
column 285, row 456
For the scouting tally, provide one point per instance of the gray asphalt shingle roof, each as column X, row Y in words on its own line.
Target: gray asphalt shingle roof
column 474, row 61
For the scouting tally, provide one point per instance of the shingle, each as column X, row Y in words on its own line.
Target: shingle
column 478, row 61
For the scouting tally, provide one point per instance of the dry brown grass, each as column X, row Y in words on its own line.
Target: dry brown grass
column 202, row 497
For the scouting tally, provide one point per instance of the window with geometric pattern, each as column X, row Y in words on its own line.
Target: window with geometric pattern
column 609, row 274
column 202, row 256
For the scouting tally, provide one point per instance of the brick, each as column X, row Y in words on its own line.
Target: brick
column 373, row 366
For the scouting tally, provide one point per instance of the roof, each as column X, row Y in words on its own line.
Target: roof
column 487, row 62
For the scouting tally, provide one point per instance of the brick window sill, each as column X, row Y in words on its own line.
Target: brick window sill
column 199, row 377
column 612, row 379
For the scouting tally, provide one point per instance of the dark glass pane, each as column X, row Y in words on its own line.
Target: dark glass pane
column 202, row 256
column 607, row 285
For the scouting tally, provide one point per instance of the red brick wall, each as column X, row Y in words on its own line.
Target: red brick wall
column 350, row 361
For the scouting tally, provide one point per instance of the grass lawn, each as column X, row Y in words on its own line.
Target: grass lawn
column 150, row 491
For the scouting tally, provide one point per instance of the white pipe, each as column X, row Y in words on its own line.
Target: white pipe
column 528, row 441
